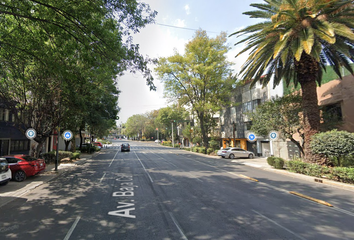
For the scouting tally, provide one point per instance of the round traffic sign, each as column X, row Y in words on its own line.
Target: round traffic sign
column 67, row 135
column 273, row 135
column 31, row 133
column 251, row 137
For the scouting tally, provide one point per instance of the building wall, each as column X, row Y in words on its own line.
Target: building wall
column 340, row 91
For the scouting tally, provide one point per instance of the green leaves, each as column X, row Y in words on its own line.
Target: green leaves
column 201, row 78
column 68, row 55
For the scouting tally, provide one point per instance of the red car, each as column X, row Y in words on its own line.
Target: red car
column 98, row 144
column 23, row 166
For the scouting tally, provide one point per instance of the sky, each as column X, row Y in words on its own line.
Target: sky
column 157, row 40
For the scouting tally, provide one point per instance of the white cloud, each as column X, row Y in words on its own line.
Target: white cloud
column 180, row 23
column 187, row 9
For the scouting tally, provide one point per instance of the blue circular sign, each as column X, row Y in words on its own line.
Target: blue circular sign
column 251, row 137
column 67, row 135
column 273, row 135
column 31, row 133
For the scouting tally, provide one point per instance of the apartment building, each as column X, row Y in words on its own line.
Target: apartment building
column 12, row 140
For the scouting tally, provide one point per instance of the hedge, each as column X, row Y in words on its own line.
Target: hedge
column 50, row 157
column 341, row 174
column 276, row 162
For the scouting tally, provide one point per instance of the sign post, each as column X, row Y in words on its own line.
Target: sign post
column 273, row 135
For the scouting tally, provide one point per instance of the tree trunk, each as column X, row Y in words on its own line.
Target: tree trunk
column 307, row 71
column 203, row 130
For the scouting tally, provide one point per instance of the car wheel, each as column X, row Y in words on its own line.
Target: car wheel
column 20, row 176
column 250, row 156
column 232, row 156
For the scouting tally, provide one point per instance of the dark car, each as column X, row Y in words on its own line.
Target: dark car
column 125, row 147
column 5, row 172
column 23, row 166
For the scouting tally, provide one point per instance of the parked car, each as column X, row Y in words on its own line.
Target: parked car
column 157, row 141
column 235, row 152
column 5, row 172
column 222, row 152
column 23, row 166
column 98, row 144
column 125, row 147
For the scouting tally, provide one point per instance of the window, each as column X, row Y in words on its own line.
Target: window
column 332, row 112
column 247, row 106
column 248, row 125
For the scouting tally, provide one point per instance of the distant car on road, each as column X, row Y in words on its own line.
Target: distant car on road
column 23, row 166
column 125, row 147
column 98, row 144
column 5, row 172
column 157, row 141
column 235, row 152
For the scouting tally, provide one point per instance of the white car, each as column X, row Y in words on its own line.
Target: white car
column 222, row 152
column 236, row 152
column 5, row 172
column 157, row 141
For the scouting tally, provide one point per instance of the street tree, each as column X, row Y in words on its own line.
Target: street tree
column 168, row 116
column 200, row 78
column 280, row 114
column 55, row 55
column 295, row 42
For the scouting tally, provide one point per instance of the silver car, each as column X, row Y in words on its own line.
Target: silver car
column 236, row 152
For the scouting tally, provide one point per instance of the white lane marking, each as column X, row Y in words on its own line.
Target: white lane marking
column 102, row 177
column 71, row 230
column 144, row 167
column 113, row 158
column 274, row 222
column 178, row 227
column 343, row 211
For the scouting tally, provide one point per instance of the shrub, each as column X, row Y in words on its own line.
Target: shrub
column 343, row 174
column 50, row 157
column 167, row 143
column 278, row 163
column 202, row 150
column 214, row 144
column 270, row 161
column 297, row 166
column 334, row 145
column 75, row 155
column 210, row 150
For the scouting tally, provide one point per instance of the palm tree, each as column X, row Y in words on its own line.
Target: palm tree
column 295, row 42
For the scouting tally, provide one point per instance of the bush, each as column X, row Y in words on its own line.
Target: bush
column 167, row 143
column 278, row 163
column 75, row 155
column 334, row 145
column 210, row 150
column 50, row 157
column 202, row 150
column 341, row 174
column 270, row 161
column 297, row 166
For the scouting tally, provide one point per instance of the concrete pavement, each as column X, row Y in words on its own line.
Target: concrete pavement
column 14, row 190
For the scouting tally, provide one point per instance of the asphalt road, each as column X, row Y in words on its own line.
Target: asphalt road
column 154, row 192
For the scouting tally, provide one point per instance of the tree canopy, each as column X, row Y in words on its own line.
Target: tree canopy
column 295, row 41
column 200, row 78
column 59, row 60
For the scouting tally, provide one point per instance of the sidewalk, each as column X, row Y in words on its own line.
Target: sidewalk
column 261, row 163
column 15, row 190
